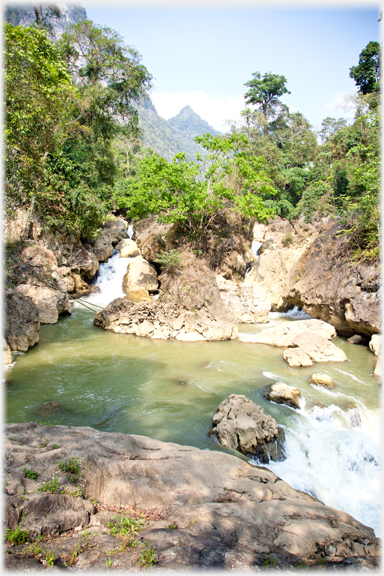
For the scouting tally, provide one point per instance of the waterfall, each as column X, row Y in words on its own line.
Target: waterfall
column 256, row 247
column 321, row 444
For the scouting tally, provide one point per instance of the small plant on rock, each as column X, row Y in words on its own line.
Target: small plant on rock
column 125, row 526
column 169, row 260
column 72, row 466
column 50, row 486
column 31, row 474
column 17, row 536
column 288, row 239
column 148, row 557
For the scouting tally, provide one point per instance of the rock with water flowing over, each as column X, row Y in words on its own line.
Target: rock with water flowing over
column 140, row 274
column 50, row 303
column 194, row 509
column 283, row 394
column 22, row 322
column 242, row 425
column 248, row 304
column 322, row 380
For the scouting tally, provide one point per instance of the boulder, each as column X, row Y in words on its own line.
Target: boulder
column 81, row 288
column 284, row 334
column 22, row 322
column 377, row 370
column 201, row 509
column 103, row 248
column 139, row 295
column 151, row 238
column 50, row 303
column 83, row 262
column 242, row 425
column 375, row 344
column 248, row 304
column 117, row 228
column 296, row 358
column 328, row 286
column 283, row 394
column 357, row 339
column 318, row 348
column 128, row 248
column 322, row 380
column 140, row 275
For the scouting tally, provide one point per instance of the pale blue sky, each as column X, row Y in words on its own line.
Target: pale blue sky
column 203, row 56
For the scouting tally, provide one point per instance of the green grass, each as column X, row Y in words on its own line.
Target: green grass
column 50, row 486
column 17, row 536
column 72, row 466
column 125, row 526
column 148, row 557
column 31, row 474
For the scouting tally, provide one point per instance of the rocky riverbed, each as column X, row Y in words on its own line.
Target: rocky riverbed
column 182, row 508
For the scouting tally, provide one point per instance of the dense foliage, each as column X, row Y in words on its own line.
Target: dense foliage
column 66, row 103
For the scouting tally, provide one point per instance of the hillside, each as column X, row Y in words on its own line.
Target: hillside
column 168, row 137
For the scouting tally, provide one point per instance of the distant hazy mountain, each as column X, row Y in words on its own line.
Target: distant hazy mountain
column 24, row 15
column 168, row 137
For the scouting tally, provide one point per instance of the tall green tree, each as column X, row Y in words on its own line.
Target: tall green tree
column 367, row 73
column 265, row 92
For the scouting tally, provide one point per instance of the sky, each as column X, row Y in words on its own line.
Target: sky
column 202, row 56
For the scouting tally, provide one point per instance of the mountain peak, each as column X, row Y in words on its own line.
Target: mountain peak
column 190, row 122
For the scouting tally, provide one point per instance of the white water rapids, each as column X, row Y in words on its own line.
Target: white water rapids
column 326, row 456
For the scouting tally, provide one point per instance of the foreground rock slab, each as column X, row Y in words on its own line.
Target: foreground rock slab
column 199, row 508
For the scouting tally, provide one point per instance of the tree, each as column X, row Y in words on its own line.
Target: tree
column 330, row 126
column 39, row 100
column 367, row 73
column 178, row 194
column 265, row 92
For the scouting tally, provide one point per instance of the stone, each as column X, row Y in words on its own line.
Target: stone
column 318, row 348
column 322, row 380
column 356, row 339
column 152, row 238
column 242, row 425
column 83, row 262
column 128, row 249
column 102, row 247
column 377, row 370
column 328, row 286
column 296, row 358
column 81, row 288
column 248, row 304
column 22, row 322
column 202, row 509
column 139, row 295
column 189, row 336
column 284, row 334
column 117, row 228
column 283, row 394
column 375, row 344
column 140, row 275
column 50, row 303
column 7, row 355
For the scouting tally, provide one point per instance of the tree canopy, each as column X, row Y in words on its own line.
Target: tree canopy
column 265, row 92
column 367, row 73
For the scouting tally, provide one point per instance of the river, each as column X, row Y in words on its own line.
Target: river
column 170, row 390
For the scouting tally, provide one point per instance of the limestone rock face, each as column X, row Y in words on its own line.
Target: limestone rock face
column 282, row 245
column 140, row 275
column 375, row 344
column 284, row 334
column 84, row 262
column 225, row 513
column 128, row 248
column 81, row 288
column 248, row 304
column 297, row 357
column 329, row 287
column 50, row 303
column 283, row 394
column 22, row 322
column 240, row 424
column 322, row 380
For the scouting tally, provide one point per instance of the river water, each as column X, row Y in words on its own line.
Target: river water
column 170, row 390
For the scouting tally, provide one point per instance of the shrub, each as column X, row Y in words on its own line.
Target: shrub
column 288, row 239
column 71, row 466
column 31, row 474
column 17, row 536
column 50, row 486
column 169, row 260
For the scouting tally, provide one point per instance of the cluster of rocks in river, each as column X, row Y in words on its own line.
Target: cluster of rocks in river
column 198, row 508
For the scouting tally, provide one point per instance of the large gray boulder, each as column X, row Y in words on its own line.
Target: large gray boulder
column 50, row 303
column 22, row 322
column 242, row 425
column 200, row 509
